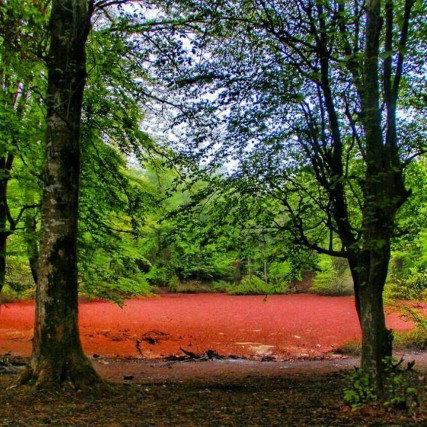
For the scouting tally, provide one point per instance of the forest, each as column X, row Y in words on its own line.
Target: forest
column 247, row 147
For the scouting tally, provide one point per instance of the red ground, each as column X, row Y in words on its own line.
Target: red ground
column 285, row 327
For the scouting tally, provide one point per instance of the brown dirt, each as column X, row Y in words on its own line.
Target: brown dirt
column 293, row 390
column 210, row 393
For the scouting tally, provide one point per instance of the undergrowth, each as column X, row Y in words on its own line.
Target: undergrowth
column 414, row 340
column 253, row 285
column 404, row 388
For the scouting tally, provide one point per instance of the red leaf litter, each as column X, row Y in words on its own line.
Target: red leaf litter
column 279, row 327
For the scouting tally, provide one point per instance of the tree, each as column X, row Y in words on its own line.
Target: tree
column 20, row 69
column 57, row 356
column 308, row 93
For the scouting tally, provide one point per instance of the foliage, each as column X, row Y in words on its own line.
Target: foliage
column 360, row 392
column 413, row 288
column 408, row 267
column 333, row 277
column 249, row 285
column 19, row 282
column 403, row 389
column 254, row 285
column 414, row 339
column 353, row 347
column 22, row 121
column 281, row 274
column 111, row 212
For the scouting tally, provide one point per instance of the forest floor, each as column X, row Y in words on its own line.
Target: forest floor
column 163, row 358
column 203, row 393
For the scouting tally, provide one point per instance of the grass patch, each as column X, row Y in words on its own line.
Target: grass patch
column 415, row 339
column 351, row 348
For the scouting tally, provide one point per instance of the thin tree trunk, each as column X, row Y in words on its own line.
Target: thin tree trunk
column 57, row 356
column 377, row 339
column 3, row 243
column 4, row 234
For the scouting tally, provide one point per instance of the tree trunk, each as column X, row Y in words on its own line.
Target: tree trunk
column 3, row 242
column 384, row 193
column 4, row 234
column 371, row 274
column 57, row 356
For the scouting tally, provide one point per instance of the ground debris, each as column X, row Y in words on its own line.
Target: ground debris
column 151, row 337
column 12, row 365
column 201, row 400
column 191, row 356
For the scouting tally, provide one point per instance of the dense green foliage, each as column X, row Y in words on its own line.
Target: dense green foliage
column 150, row 217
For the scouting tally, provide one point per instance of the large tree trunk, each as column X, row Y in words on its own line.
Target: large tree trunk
column 57, row 356
column 377, row 339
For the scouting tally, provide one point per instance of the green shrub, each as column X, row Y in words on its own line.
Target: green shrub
column 281, row 274
column 403, row 388
column 413, row 287
column 415, row 339
column 360, row 391
column 193, row 287
column 173, row 283
column 19, row 281
column 334, row 277
column 253, row 285
column 353, row 348
column 249, row 285
column 220, row 286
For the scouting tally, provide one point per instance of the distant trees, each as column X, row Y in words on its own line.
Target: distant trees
column 21, row 121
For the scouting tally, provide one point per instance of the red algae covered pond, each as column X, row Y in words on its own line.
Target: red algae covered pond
column 280, row 327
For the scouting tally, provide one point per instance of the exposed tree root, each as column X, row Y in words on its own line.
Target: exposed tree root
column 73, row 372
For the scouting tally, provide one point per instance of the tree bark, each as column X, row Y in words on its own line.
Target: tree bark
column 57, row 356
column 383, row 193
column 377, row 339
column 3, row 243
column 369, row 269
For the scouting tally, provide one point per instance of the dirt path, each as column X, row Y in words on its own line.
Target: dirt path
column 279, row 328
